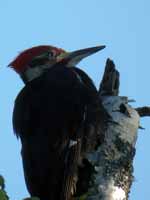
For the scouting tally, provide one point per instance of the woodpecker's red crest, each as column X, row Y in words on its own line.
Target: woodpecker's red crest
column 20, row 63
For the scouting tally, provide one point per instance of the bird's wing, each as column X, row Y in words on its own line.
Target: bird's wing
column 70, row 173
column 75, row 146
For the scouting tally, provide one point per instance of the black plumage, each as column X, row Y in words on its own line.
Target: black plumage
column 58, row 117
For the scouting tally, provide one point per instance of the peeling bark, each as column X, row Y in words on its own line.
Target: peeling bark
column 113, row 160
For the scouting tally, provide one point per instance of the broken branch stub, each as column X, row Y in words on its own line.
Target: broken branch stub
column 113, row 160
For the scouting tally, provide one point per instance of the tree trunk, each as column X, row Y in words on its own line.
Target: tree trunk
column 113, row 160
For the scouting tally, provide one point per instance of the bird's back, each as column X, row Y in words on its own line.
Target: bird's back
column 48, row 115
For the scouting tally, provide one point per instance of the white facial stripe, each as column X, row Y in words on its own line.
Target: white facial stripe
column 32, row 73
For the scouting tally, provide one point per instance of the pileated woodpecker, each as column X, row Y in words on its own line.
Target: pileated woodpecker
column 58, row 117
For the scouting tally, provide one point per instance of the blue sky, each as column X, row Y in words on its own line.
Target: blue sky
column 123, row 26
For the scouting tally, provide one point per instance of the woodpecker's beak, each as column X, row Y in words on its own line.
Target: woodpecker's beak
column 73, row 58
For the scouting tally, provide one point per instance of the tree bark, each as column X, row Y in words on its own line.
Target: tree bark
column 113, row 160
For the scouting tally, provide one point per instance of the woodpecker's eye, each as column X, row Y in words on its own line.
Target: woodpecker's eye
column 51, row 54
column 41, row 59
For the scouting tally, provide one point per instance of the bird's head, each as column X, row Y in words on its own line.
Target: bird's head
column 33, row 62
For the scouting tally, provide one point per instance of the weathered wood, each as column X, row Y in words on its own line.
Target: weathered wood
column 113, row 160
column 110, row 82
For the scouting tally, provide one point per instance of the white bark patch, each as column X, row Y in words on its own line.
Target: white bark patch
column 118, row 194
column 127, row 125
column 72, row 143
column 112, row 192
column 113, row 159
